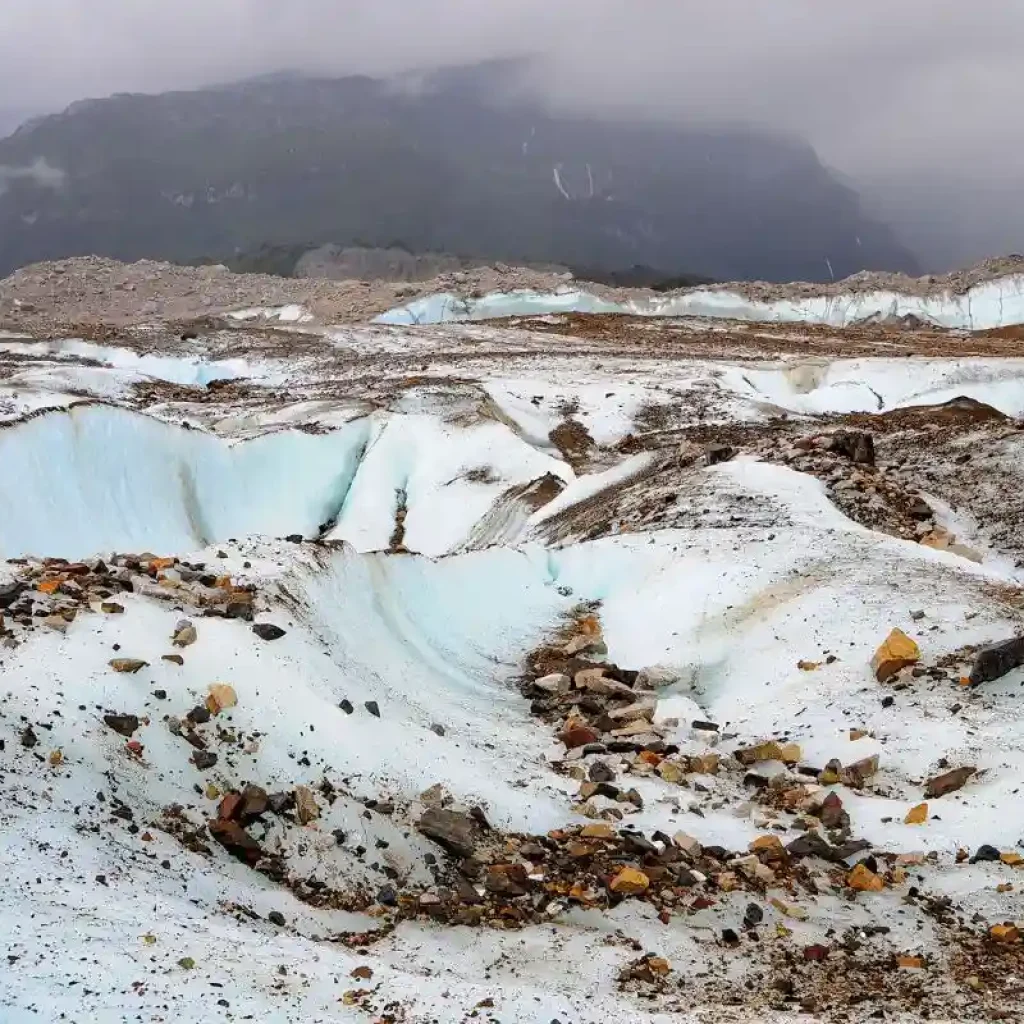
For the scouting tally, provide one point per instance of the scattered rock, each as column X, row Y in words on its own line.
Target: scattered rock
column 268, row 631
column 185, row 635
column 128, row 665
column 455, row 831
column 28, row 737
column 771, row 750
column 718, row 453
column 235, row 840
column 630, row 882
column 373, row 707
column 995, row 661
column 437, row 729
column 112, row 608
column 863, row 879
column 174, row 659
column 857, row 445
column 949, row 782
column 124, row 725
column 917, row 815
column 276, row 917
column 897, row 652
column 221, row 697
column 204, row 759
column 306, row 807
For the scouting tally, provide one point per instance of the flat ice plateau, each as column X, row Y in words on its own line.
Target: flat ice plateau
column 421, row 510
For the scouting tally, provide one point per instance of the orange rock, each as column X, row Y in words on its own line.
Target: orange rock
column 161, row 563
column 1012, row 859
column 630, row 882
column 221, row 696
column 808, row 666
column 913, row 962
column 770, row 848
column 599, row 831
column 49, row 586
column 650, row 757
column 857, row 734
column 916, row 815
column 589, row 626
column 864, row 880
column 658, row 965
column 897, row 652
column 1004, row 933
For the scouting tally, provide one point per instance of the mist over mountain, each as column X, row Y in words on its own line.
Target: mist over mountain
column 452, row 163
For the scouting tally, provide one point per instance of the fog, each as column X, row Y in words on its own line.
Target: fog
column 916, row 103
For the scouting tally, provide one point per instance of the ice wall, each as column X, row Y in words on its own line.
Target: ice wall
column 996, row 303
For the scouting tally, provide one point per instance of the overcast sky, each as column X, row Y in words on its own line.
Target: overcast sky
column 880, row 87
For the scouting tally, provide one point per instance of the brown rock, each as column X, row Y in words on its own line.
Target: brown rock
column 578, row 734
column 856, row 774
column 124, row 725
column 897, row 652
column 174, row 659
column 185, row 637
column 128, row 665
column 230, row 806
column 306, row 807
column 456, row 832
column 1004, row 933
column 832, row 814
column 768, row 848
column 597, row 831
column 235, row 840
column 914, row 963
column 770, row 750
column 949, row 782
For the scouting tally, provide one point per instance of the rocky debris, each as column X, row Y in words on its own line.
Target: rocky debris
column 856, row 445
column 235, row 840
column 306, row 807
column 863, row 879
column 268, row 631
column 125, row 725
column 204, row 759
column 184, row 634
column 897, row 652
column 993, row 662
column 948, row 782
column 220, row 698
column 128, row 665
column 456, row 832
column 717, row 453
column 917, row 815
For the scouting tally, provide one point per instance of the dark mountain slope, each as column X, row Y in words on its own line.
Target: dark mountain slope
column 300, row 161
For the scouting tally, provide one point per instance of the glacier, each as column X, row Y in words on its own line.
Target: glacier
column 985, row 306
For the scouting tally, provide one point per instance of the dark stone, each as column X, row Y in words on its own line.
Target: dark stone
column 276, row 917
column 346, row 706
column 729, row 937
column 716, row 453
column 437, row 729
column 811, row 844
column 985, row 853
column 887, row 702
column 816, row 952
column 454, row 831
column 199, row 715
column 997, row 660
column 281, row 802
column 373, row 708
column 239, row 609
column 204, row 759
column 160, row 694
column 268, row 631
column 125, row 725
column 600, row 771
column 388, row 896
column 28, row 737
column 753, row 916
column 856, row 445
column 10, row 592
column 294, row 538
column 704, row 726
column 255, row 802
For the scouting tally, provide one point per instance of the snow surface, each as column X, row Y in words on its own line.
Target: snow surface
column 996, row 303
column 435, row 636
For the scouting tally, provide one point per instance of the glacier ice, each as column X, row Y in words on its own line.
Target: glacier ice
column 991, row 304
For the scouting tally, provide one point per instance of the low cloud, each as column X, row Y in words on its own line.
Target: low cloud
column 39, row 172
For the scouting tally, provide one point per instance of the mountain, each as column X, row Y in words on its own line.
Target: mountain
column 446, row 164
